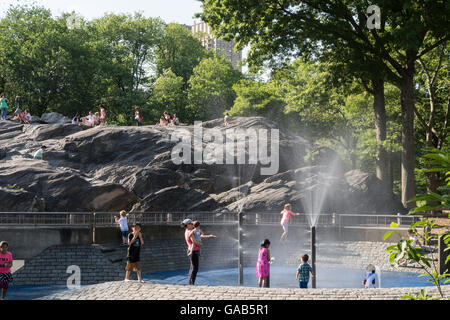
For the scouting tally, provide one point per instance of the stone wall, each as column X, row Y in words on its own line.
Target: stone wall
column 50, row 266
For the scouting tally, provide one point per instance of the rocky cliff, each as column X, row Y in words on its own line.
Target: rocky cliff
column 111, row 168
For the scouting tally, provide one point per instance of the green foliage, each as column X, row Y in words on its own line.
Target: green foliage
column 179, row 51
column 210, row 90
column 403, row 250
column 422, row 295
column 440, row 162
column 168, row 95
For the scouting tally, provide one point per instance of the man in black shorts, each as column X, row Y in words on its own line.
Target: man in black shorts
column 135, row 241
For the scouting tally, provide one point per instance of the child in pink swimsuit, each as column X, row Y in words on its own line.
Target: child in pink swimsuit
column 6, row 260
column 263, row 264
column 287, row 213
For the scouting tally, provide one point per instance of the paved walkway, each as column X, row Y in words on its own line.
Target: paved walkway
column 120, row 290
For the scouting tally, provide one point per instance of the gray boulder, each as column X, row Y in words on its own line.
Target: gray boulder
column 111, row 168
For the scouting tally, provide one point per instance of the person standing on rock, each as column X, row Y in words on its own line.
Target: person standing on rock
column 138, row 116
column 193, row 249
column 3, row 106
column 102, row 115
column 135, row 242
column 286, row 214
column 6, row 262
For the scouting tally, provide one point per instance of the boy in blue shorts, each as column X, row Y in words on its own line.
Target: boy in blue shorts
column 303, row 271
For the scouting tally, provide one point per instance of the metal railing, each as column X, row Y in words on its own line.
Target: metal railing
column 107, row 219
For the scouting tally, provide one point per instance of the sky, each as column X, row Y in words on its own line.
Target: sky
column 179, row 11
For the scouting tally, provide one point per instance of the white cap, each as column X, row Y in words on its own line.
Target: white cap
column 187, row 221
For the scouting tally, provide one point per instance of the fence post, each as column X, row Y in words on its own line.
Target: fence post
column 93, row 227
column 399, row 220
column 240, row 249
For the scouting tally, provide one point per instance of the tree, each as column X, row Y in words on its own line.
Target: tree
column 168, row 95
column 38, row 58
column 179, row 51
column 432, row 109
column 257, row 98
column 210, row 90
column 125, row 46
column 277, row 29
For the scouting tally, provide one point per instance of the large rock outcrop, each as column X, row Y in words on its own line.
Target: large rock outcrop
column 112, row 168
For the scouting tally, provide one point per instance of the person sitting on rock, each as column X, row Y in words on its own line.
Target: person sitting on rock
column 96, row 119
column 225, row 119
column 168, row 117
column 28, row 115
column 175, row 120
column 76, row 120
column 88, row 120
column 40, row 153
column 163, row 122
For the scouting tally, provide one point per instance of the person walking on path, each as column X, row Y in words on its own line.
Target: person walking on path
column 135, row 242
column 3, row 106
column 6, row 262
column 193, row 249
column 286, row 214
column 303, row 271
column 123, row 223
column 263, row 264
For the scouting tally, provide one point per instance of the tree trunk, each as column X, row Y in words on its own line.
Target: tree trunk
column 408, row 152
column 379, row 108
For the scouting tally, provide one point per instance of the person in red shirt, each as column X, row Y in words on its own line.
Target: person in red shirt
column 6, row 262
column 286, row 214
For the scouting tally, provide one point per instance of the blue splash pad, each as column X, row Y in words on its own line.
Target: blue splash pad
column 284, row 277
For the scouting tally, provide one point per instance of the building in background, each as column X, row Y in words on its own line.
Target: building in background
column 209, row 42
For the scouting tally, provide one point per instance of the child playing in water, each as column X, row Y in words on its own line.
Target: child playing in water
column 123, row 223
column 199, row 235
column 303, row 271
column 287, row 213
column 6, row 262
column 370, row 281
column 263, row 264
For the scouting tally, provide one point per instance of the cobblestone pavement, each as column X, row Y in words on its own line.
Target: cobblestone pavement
column 132, row 290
